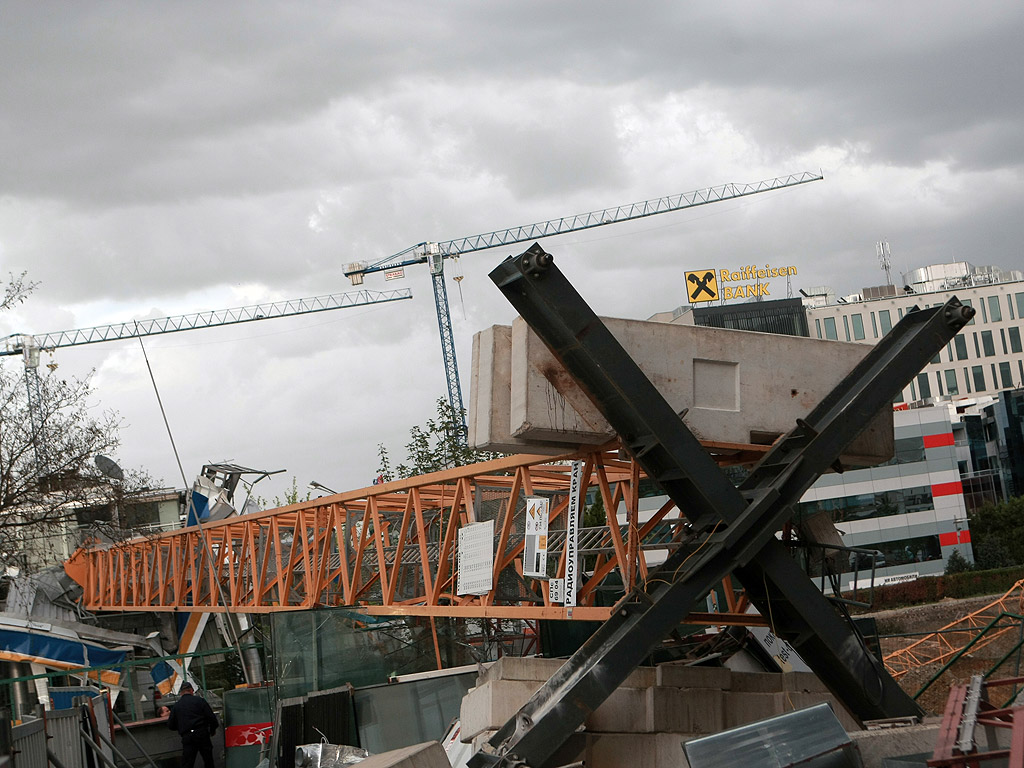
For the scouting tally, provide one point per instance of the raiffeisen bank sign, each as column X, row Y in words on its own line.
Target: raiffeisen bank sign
column 747, row 282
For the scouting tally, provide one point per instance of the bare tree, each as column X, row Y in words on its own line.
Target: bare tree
column 47, row 507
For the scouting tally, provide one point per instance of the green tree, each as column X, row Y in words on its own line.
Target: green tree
column 435, row 446
column 991, row 554
column 291, row 496
column 997, row 533
column 957, row 563
column 594, row 514
column 53, row 495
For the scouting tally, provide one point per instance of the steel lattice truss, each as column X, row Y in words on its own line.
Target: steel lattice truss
column 14, row 345
column 977, row 630
column 391, row 548
column 591, row 219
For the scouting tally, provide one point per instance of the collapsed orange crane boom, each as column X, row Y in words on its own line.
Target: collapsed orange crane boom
column 390, row 549
column 945, row 643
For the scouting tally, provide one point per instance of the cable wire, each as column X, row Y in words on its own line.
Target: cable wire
column 228, row 619
column 163, row 413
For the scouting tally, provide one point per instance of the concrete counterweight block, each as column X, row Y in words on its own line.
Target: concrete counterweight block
column 735, row 386
column 430, row 754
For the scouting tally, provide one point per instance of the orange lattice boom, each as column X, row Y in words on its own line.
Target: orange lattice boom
column 390, row 549
column 942, row 645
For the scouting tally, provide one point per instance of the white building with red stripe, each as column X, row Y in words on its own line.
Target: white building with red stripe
column 909, row 512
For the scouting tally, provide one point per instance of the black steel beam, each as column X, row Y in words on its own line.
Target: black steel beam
column 739, row 524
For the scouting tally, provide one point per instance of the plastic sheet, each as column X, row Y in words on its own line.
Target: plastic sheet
column 810, row 738
column 328, row 755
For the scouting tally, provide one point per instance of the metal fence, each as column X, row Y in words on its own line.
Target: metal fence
column 65, row 739
column 28, row 744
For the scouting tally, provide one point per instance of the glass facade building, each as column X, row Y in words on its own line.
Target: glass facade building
column 959, row 423
column 909, row 511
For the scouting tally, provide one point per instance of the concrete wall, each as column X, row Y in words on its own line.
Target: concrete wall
column 736, row 386
column 645, row 722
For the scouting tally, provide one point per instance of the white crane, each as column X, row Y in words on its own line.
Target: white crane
column 434, row 254
column 29, row 346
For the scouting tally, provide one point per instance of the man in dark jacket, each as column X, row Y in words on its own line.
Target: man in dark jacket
column 195, row 722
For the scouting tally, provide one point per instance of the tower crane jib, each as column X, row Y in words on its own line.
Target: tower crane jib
column 434, row 253
column 29, row 346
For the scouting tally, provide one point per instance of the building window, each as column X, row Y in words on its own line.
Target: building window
column 1002, row 339
column 977, row 349
column 1015, row 340
column 864, row 506
column 960, row 344
column 1004, row 375
column 987, row 344
column 951, row 387
column 938, row 382
column 846, row 327
column 923, row 385
column 967, row 381
column 995, row 312
column 884, row 321
column 817, row 326
column 1019, row 297
column 984, row 315
column 874, row 326
column 978, row 374
column 830, row 329
column 916, row 550
column 858, row 326
column 883, row 554
column 969, row 303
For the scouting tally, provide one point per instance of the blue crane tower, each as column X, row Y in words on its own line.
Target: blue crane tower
column 433, row 254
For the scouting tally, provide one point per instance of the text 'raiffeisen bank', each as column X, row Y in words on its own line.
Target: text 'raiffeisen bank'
column 748, row 282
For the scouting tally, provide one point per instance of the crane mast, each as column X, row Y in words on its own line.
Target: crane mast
column 434, row 253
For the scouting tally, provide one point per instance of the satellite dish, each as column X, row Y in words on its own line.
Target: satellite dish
column 109, row 468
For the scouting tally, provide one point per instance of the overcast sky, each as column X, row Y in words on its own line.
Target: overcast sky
column 161, row 158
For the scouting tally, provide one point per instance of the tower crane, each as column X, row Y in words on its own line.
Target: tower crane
column 433, row 254
column 29, row 346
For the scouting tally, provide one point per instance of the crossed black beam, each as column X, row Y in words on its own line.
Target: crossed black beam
column 738, row 525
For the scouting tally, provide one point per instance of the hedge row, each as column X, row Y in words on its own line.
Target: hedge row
column 931, row 589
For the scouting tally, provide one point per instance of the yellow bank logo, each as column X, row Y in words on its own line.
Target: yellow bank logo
column 702, row 285
column 707, row 285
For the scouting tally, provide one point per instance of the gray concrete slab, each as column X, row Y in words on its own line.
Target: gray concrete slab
column 876, row 746
column 682, row 676
column 736, row 386
column 491, row 704
column 430, row 754
column 490, row 397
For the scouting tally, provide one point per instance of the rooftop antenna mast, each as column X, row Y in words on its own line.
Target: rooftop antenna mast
column 884, row 259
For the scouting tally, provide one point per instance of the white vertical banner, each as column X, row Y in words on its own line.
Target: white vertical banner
column 572, row 534
column 535, row 548
column 476, row 558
